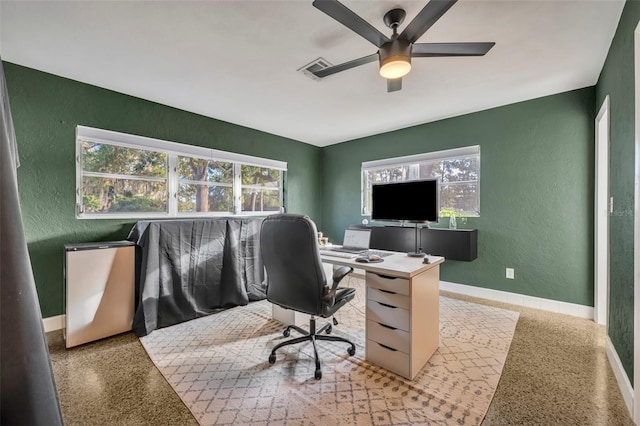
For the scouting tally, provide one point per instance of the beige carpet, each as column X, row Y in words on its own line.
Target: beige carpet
column 218, row 366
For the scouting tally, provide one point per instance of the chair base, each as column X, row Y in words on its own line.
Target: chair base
column 311, row 335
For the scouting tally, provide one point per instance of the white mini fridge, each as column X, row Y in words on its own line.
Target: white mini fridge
column 99, row 290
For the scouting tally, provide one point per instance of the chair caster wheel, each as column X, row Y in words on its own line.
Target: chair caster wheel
column 329, row 330
column 335, row 321
column 286, row 333
column 318, row 375
column 272, row 359
column 351, row 351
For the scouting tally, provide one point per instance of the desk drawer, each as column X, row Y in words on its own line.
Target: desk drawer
column 395, row 285
column 393, row 337
column 389, row 298
column 389, row 358
column 389, row 315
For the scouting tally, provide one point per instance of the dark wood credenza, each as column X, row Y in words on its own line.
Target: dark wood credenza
column 452, row 244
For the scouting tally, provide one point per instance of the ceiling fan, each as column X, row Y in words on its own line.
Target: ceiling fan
column 395, row 52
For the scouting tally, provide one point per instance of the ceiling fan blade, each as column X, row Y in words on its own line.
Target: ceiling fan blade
column 394, row 85
column 349, row 19
column 345, row 66
column 425, row 19
column 421, row 50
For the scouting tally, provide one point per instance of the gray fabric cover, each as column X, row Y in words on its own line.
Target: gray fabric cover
column 28, row 390
column 192, row 268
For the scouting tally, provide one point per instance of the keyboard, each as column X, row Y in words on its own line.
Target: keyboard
column 337, row 254
column 348, row 250
column 345, row 255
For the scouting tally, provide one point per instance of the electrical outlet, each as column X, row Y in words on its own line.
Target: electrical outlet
column 510, row 273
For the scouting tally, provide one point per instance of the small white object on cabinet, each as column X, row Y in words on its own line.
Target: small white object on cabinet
column 99, row 294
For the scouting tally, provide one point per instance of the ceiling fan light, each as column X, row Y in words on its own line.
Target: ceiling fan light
column 395, row 59
column 396, row 67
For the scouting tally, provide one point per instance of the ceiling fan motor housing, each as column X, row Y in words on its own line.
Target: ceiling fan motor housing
column 396, row 50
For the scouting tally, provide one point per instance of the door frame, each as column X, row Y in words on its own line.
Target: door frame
column 636, row 238
column 601, row 219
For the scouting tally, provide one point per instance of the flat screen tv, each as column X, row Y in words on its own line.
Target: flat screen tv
column 412, row 201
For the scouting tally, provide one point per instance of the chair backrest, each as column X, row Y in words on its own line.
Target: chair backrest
column 295, row 276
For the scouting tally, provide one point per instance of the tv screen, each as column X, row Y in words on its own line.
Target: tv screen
column 415, row 201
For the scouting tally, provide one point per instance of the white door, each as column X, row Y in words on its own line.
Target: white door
column 602, row 208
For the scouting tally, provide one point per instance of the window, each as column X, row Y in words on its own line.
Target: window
column 204, row 185
column 458, row 170
column 120, row 179
column 260, row 189
column 120, row 175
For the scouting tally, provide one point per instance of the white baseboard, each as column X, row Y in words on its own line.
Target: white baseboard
column 621, row 376
column 573, row 309
column 53, row 323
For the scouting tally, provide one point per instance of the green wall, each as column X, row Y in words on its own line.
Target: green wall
column 47, row 108
column 536, row 183
column 617, row 81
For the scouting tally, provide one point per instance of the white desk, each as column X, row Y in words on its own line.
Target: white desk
column 402, row 312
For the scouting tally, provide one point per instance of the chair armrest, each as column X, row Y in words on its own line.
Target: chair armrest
column 329, row 297
column 340, row 273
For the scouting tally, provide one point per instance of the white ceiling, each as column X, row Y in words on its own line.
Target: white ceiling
column 237, row 61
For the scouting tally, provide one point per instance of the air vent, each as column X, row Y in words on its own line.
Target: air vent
column 315, row 65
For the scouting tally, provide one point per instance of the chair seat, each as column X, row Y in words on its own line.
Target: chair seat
column 343, row 295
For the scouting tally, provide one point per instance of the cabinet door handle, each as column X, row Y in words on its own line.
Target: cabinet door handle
column 387, row 291
column 386, row 305
column 388, row 277
column 387, row 326
column 388, row 347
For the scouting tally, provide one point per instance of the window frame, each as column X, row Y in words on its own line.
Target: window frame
column 173, row 150
column 413, row 162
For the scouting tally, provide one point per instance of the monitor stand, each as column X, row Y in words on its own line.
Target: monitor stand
column 416, row 252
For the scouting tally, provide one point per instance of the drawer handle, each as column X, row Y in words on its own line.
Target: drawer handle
column 387, row 326
column 386, row 305
column 388, row 277
column 388, row 347
column 387, row 291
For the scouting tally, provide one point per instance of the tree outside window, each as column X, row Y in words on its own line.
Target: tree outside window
column 204, row 185
column 260, row 189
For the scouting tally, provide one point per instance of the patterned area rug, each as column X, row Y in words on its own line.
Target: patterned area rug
column 218, row 366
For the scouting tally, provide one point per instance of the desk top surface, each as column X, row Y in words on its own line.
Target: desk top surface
column 396, row 265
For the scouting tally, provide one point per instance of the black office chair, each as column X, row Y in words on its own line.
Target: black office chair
column 296, row 280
